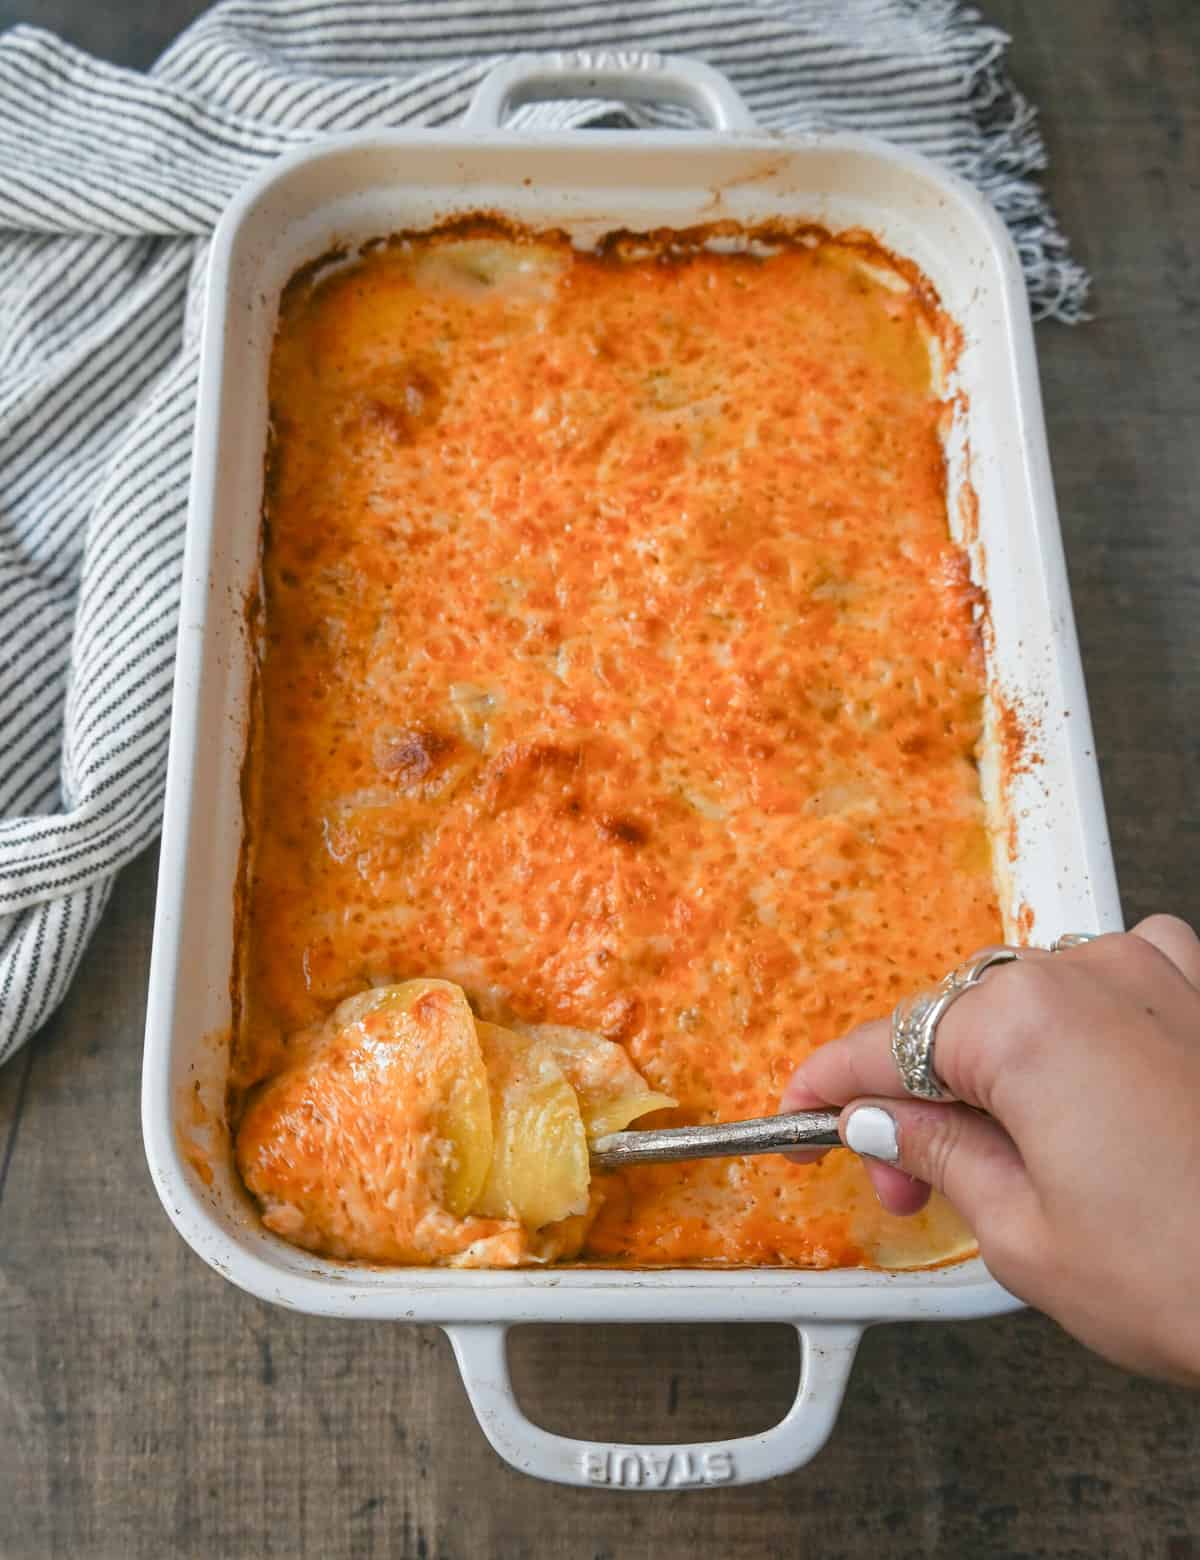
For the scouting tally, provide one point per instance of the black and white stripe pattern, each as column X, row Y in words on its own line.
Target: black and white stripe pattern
column 110, row 183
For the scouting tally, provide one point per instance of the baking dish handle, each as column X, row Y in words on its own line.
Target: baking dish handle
column 628, row 75
column 826, row 1355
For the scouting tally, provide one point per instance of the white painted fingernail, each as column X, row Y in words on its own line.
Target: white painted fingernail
column 872, row 1131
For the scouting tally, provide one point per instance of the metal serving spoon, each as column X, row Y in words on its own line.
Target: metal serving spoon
column 759, row 1135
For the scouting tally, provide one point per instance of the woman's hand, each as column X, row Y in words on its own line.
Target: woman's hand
column 1082, row 1181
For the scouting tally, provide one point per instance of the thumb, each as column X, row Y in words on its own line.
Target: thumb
column 956, row 1150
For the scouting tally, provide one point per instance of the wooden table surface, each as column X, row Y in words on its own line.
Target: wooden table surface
column 148, row 1410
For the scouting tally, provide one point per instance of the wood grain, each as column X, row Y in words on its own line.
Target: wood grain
column 150, row 1411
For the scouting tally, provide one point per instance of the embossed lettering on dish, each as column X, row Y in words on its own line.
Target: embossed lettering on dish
column 628, row 1467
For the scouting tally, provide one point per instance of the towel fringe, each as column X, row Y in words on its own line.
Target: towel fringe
column 1010, row 149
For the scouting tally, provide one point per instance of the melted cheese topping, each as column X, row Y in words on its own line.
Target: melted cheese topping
column 618, row 665
column 375, row 1140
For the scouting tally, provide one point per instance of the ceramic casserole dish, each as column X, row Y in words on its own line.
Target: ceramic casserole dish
column 1054, row 864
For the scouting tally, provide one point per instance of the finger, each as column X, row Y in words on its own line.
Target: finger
column 874, row 1137
column 1176, row 940
column 898, row 1192
column 952, row 1148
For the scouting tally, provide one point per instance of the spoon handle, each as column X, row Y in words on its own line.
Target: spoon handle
column 760, row 1135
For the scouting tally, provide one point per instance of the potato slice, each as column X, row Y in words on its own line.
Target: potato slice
column 432, row 1022
column 611, row 1091
column 540, row 1172
column 937, row 1234
column 476, row 266
column 434, row 1018
column 379, row 1129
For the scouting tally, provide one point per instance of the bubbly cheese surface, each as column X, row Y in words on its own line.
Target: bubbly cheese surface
column 617, row 665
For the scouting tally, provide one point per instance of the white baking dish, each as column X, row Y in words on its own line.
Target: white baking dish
column 1060, row 876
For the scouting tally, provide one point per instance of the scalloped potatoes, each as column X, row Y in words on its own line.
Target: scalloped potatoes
column 403, row 1131
column 617, row 666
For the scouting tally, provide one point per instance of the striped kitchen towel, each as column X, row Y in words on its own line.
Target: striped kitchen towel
column 110, row 184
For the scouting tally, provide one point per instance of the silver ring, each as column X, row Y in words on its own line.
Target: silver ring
column 1072, row 940
column 915, row 1020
